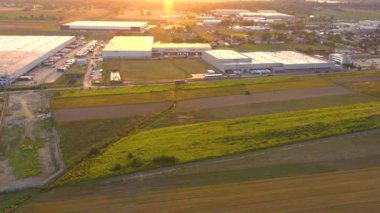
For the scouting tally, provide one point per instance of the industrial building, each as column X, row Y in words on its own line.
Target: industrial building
column 143, row 47
column 180, row 49
column 228, row 12
column 130, row 26
column 230, row 61
column 211, row 22
column 265, row 14
column 341, row 58
column 20, row 54
column 131, row 47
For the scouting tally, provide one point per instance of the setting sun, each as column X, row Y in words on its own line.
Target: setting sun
column 168, row 7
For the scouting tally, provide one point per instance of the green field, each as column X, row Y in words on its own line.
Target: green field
column 155, row 71
column 181, row 144
column 21, row 151
column 371, row 88
column 79, row 138
column 350, row 75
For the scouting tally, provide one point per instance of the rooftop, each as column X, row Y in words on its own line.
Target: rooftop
column 283, row 57
column 266, row 14
column 182, row 45
column 227, row 54
column 18, row 51
column 130, row 43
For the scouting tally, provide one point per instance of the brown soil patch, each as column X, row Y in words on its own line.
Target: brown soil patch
column 232, row 100
column 95, row 113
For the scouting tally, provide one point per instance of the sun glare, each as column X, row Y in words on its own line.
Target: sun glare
column 168, row 7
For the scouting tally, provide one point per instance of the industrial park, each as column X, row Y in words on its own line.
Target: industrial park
column 189, row 106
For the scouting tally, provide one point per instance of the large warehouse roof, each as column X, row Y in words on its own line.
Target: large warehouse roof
column 267, row 14
column 283, row 57
column 21, row 53
column 106, row 24
column 182, row 45
column 226, row 54
column 130, row 43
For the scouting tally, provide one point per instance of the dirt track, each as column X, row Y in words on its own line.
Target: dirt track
column 223, row 101
column 94, row 113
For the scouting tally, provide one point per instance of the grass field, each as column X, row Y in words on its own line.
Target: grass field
column 71, row 78
column 181, row 144
column 350, row 75
column 79, row 138
column 155, row 71
column 11, row 201
column 21, row 152
column 371, row 88
column 94, row 101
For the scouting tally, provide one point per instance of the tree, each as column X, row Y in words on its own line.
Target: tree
column 266, row 37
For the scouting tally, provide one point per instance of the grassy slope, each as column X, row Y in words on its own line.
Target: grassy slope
column 182, row 144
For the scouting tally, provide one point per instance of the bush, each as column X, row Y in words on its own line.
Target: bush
column 130, row 155
column 164, row 160
column 247, row 92
column 117, row 167
column 136, row 163
column 93, row 151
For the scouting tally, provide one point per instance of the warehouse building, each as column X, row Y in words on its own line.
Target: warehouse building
column 143, row 47
column 20, row 54
column 180, row 49
column 130, row 26
column 265, row 14
column 341, row 58
column 228, row 12
column 131, row 47
column 230, row 61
